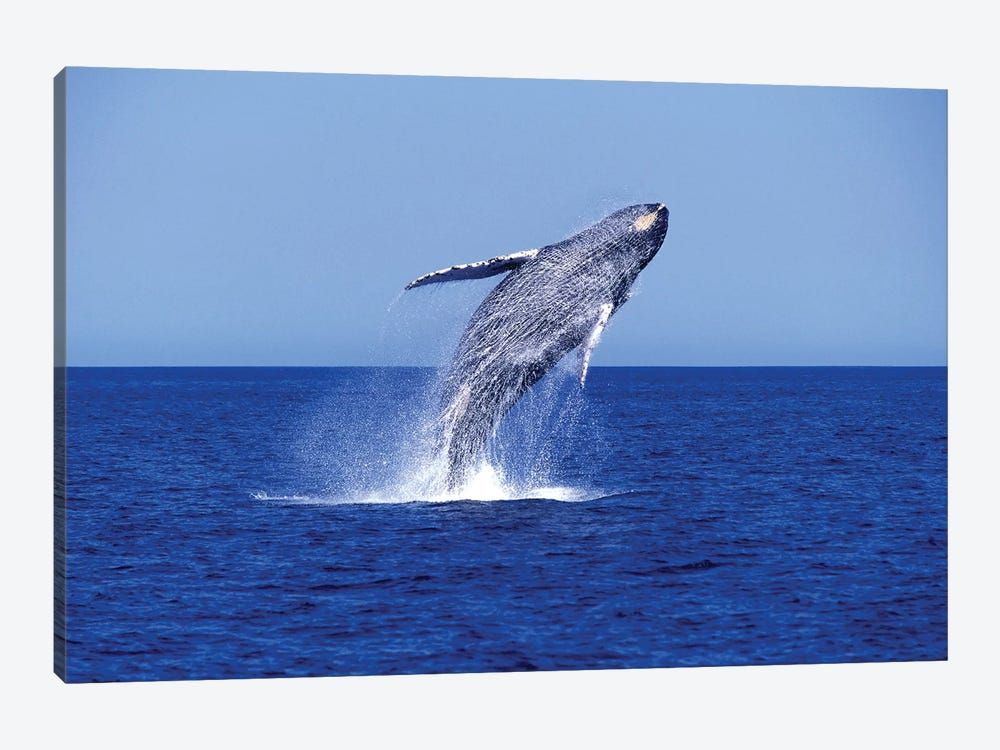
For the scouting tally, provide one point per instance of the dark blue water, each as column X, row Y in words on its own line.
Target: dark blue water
column 735, row 516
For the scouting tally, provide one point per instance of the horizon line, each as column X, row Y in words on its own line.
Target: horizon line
column 435, row 367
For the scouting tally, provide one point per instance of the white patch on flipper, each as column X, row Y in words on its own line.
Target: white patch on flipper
column 478, row 270
column 603, row 314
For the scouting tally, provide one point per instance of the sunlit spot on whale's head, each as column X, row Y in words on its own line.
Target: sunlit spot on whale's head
column 644, row 222
column 647, row 220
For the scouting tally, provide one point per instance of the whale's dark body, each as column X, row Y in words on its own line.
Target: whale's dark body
column 556, row 298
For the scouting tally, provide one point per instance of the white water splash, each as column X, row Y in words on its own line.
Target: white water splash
column 375, row 442
column 420, row 476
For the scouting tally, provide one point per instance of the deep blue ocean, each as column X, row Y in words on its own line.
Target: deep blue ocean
column 248, row 522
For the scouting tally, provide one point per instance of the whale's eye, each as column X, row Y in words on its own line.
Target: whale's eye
column 645, row 221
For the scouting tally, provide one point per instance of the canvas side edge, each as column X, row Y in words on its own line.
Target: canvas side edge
column 59, row 377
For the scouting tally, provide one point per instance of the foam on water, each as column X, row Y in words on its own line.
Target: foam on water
column 487, row 484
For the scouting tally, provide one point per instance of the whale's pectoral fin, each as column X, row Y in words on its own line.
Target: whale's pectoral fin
column 603, row 314
column 478, row 270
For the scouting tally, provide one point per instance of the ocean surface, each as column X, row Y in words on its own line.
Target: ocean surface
column 249, row 522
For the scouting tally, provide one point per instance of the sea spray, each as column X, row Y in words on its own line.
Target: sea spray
column 381, row 446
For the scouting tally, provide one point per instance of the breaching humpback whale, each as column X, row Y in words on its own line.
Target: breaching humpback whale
column 556, row 298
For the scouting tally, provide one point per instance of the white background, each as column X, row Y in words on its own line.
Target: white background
column 844, row 43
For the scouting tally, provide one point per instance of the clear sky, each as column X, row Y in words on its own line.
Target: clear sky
column 271, row 219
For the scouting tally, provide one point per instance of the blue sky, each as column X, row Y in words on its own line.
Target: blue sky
column 271, row 219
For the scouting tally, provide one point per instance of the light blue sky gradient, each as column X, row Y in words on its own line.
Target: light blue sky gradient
column 271, row 219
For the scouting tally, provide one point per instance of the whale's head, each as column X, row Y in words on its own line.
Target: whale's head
column 639, row 230
column 634, row 234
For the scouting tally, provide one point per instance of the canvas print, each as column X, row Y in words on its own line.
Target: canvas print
column 371, row 375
